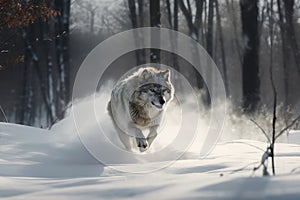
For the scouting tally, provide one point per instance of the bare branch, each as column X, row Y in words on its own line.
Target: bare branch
column 287, row 127
column 263, row 131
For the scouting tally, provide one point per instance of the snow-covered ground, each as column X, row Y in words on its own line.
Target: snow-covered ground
column 42, row 164
column 54, row 164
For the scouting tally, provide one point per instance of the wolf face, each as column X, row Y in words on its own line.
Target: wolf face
column 155, row 88
column 152, row 94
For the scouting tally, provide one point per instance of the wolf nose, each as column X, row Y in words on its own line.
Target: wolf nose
column 162, row 101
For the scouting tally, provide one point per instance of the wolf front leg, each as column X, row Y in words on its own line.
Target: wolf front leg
column 141, row 141
column 152, row 134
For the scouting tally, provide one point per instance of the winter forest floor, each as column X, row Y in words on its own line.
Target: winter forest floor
column 40, row 164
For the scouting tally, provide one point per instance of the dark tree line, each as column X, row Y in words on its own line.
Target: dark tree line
column 43, row 26
column 35, row 36
column 204, row 24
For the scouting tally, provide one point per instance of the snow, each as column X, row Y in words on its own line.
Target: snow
column 43, row 164
column 53, row 164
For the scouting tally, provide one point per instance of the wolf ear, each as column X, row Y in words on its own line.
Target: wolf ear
column 145, row 74
column 166, row 74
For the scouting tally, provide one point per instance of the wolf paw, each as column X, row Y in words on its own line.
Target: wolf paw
column 142, row 144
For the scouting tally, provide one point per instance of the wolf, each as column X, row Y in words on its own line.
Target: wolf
column 138, row 103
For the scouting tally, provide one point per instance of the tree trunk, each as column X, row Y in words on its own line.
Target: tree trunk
column 233, row 17
column 251, row 82
column 210, row 25
column 271, row 34
column 155, row 22
column 26, row 112
column 142, row 52
column 30, row 109
column 63, row 60
column 198, row 18
column 169, row 13
column 139, row 54
column 284, row 52
column 188, row 18
column 222, row 48
column 173, row 21
column 20, row 117
column 289, row 15
column 50, row 87
column 175, row 13
column 132, row 13
column 141, row 12
column 194, row 27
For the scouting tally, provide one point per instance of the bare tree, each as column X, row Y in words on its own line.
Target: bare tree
column 270, row 151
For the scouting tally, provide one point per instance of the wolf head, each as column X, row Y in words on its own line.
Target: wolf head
column 155, row 88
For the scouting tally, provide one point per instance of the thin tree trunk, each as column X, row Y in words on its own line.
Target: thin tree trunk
column 204, row 28
column 175, row 28
column 24, row 96
column 198, row 18
column 50, row 75
column 188, row 17
column 194, row 27
column 66, row 56
column 222, row 48
column 284, row 52
column 175, row 13
column 63, row 61
column 141, row 12
column 31, row 108
column 132, row 13
column 209, row 36
column 233, row 17
column 169, row 13
column 271, row 27
column 27, row 91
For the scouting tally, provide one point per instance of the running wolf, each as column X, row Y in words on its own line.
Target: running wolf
column 137, row 103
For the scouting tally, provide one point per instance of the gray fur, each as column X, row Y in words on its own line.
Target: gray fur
column 138, row 102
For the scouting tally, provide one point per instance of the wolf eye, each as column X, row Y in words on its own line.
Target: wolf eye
column 167, row 90
column 152, row 90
